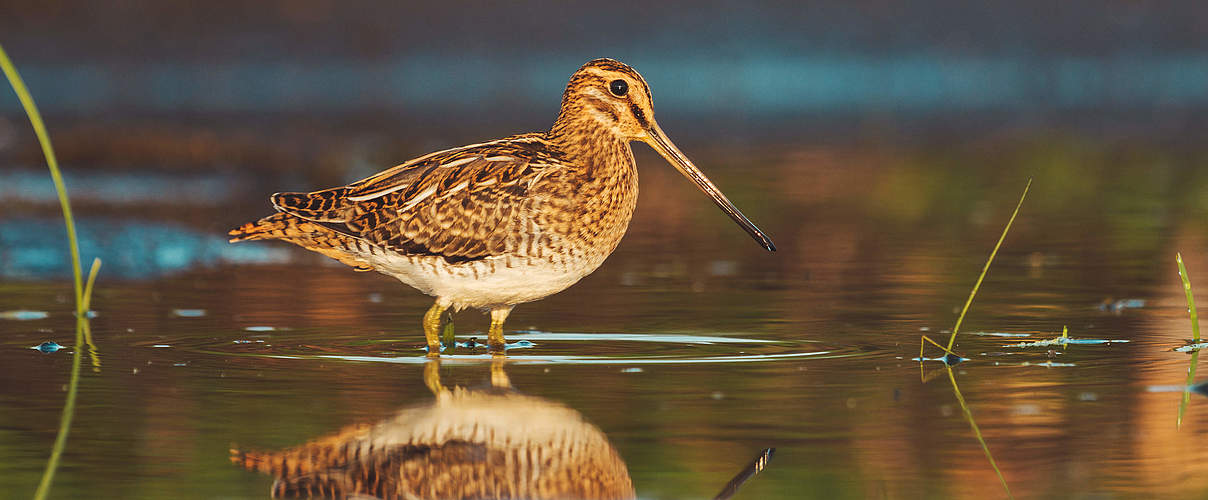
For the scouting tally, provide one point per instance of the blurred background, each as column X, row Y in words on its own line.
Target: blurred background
column 215, row 104
column 812, row 71
column 881, row 144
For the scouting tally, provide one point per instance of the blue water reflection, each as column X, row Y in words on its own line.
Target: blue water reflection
column 28, row 185
column 36, row 248
column 765, row 83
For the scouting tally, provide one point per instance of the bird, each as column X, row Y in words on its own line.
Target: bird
column 469, row 443
column 498, row 223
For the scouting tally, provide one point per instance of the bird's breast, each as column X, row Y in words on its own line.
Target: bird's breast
column 588, row 211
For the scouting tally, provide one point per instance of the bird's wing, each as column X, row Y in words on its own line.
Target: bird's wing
column 458, row 204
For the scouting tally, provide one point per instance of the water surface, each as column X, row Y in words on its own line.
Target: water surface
column 691, row 349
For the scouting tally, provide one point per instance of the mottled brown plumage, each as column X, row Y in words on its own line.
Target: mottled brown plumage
column 457, row 204
column 500, row 223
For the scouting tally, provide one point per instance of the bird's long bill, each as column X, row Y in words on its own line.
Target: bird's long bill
column 659, row 141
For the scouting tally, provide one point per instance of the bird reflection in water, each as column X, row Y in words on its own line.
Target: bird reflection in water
column 492, row 442
column 486, row 443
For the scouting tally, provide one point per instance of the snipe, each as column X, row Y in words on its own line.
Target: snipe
column 499, row 223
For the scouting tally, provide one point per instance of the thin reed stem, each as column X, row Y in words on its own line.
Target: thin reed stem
column 1195, row 319
column 986, row 268
column 35, row 119
column 83, row 330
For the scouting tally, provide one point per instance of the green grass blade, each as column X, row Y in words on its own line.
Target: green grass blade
column 92, row 350
column 927, row 340
column 82, row 328
column 986, row 268
column 1195, row 319
column 1195, row 360
column 977, row 432
column 92, row 271
column 35, row 119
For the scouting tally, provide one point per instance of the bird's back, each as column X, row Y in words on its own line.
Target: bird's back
column 521, row 196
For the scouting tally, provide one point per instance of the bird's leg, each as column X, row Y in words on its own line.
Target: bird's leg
column 432, row 327
column 499, row 377
column 495, row 335
column 432, row 377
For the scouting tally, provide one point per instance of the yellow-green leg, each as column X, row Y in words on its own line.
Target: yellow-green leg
column 499, row 377
column 432, row 377
column 432, row 327
column 495, row 335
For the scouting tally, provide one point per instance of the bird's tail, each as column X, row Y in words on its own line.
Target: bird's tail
column 321, row 468
column 312, row 236
column 308, row 458
column 274, row 227
column 295, row 477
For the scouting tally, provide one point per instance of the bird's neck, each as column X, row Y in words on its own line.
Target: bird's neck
column 602, row 187
column 587, row 142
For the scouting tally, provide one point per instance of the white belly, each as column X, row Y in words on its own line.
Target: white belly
column 488, row 283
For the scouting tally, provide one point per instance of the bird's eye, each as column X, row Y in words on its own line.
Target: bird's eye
column 618, row 88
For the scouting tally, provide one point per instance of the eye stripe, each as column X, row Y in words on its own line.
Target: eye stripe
column 637, row 113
